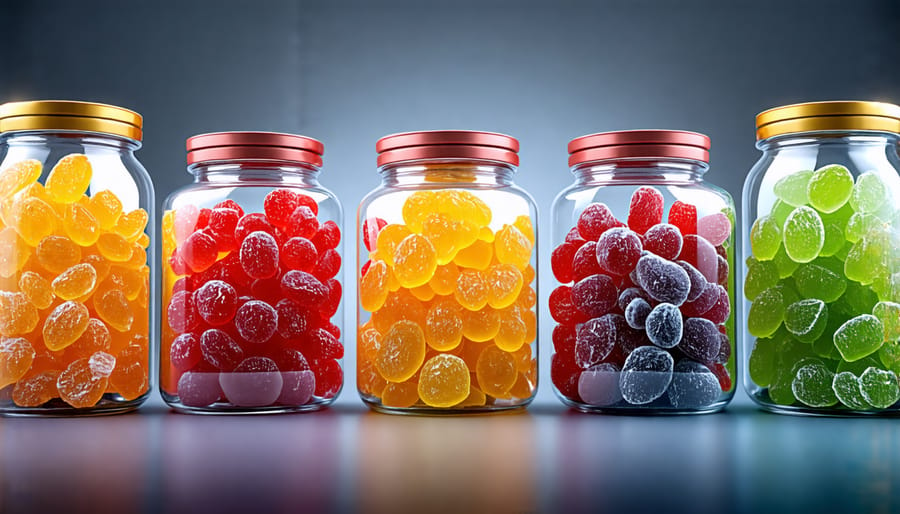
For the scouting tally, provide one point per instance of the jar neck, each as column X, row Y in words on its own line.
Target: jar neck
column 46, row 138
column 878, row 141
column 449, row 173
column 255, row 171
column 642, row 171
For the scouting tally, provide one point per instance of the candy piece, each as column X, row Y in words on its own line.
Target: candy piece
column 199, row 389
column 585, row 264
column 562, row 306
column 561, row 262
column 697, row 280
column 297, row 387
column 846, row 388
column 254, row 222
column 106, row 207
column 765, row 237
column 664, row 325
column 618, row 250
column 595, row 340
column 79, row 386
column 36, row 390
column 636, row 313
column 594, row 295
column 95, row 338
column 402, row 352
column 864, row 260
column 514, row 331
column 599, row 385
column 328, row 266
column 645, row 209
column 293, row 319
column 594, row 220
column 766, row 312
column 18, row 176
column 693, row 386
column 761, row 275
column 75, row 282
column 574, row 237
column 859, row 224
column 830, row 187
column 784, row 264
column 804, row 234
column 444, row 325
column 879, row 387
column 33, row 219
column 721, row 309
column 36, row 289
column 373, row 287
column 259, row 255
column 472, row 289
column 628, row 295
column 806, row 319
column 699, row 253
column 278, row 205
column 57, row 254
column 371, row 229
column 415, row 261
column 792, row 189
column 400, row 305
column 859, row 337
column 80, row 225
column 303, row 288
column 448, row 236
column 14, row 253
column 812, row 385
column 256, row 321
column 65, row 325
column 302, row 223
column 131, row 224
column 102, row 364
column 388, row 239
column 504, row 284
column 182, row 312
column 401, row 396
column 763, row 361
column 869, row 193
column 700, row 340
column 482, row 325
column 328, row 237
column 646, row 375
column 478, row 255
column 329, row 377
column 444, row 381
column 565, row 374
column 715, row 228
column 444, row 280
column 814, row 281
column 220, row 350
column 512, row 247
column 333, row 302
column 199, row 251
column 185, row 352
column 888, row 313
column 130, row 378
column 496, row 371
column 69, row 178
column 663, row 280
column 664, row 240
column 216, row 302
column 298, row 253
column 112, row 307
column 321, row 344
column 684, row 216
column 222, row 223
column 255, row 382
column 16, row 356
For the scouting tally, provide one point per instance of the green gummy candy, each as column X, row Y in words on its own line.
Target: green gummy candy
column 804, row 234
column 780, row 390
column 889, row 315
column 785, row 265
column 766, row 312
column 859, row 337
column 864, row 261
column 761, row 275
column 859, row 366
column 889, row 355
column 859, row 225
column 868, row 194
column 765, row 238
column 879, row 387
column 846, row 388
column 859, row 298
column 812, row 385
column 762, row 361
column 815, row 281
column 791, row 189
column 780, row 212
column 834, row 239
column 806, row 319
column 830, row 187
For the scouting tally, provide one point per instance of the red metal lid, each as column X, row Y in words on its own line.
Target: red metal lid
column 263, row 146
column 651, row 144
column 447, row 144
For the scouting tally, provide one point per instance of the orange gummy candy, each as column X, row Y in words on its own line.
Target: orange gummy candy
column 37, row 289
column 114, row 247
column 373, row 287
column 415, row 261
column 131, row 225
column 75, row 282
column 69, row 179
column 65, row 325
column 18, row 176
column 34, row 219
column 106, row 207
column 402, row 352
column 16, row 356
column 472, row 289
column 36, row 390
column 444, row 381
column 79, row 386
column 444, row 325
column 496, row 371
column 113, row 308
column 400, row 395
column 505, row 282
column 17, row 315
column 512, row 247
column 57, row 254
column 80, row 225
column 131, row 376
column 480, row 326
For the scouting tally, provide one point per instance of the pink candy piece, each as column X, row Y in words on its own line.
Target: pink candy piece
column 259, row 255
column 255, row 382
column 715, row 228
column 599, row 385
column 298, row 387
column 199, row 388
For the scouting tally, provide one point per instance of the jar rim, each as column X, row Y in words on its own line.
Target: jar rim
column 447, row 144
column 254, row 145
column 841, row 115
column 70, row 115
column 642, row 143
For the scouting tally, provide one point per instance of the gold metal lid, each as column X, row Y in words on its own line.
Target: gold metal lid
column 817, row 116
column 70, row 115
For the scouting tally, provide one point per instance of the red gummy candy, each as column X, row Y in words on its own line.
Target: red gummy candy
column 618, row 250
column 329, row 377
column 585, row 262
column 594, row 295
column 596, row 219
column 222, row 223
column 564, row 339
column 332, row 302
column 199, row 251
column 289, row 359
column 646, row 209
column 229, row 204
column 259, row 255
column 253, row 222
column 371, row 228
column 561, row 262
column 279, row 205
column 293, row 319
column 321, row 344
column 328, row 266
column 299, row 253
column 684, row 216
column 256, row 321
column 307, row 201
column 220, row 350
column 721, row 372
column 267, row 290
column 574, row 237
column 328, row 237
column 303, row 288
column 564, row 374
column 332, row 329
column 216, row 302
column 182, row 312
column 303, row 223
column 185, row 352
column 664, row 240
column 203, row 218
column 179, row 267
column 562, row 306
column 231, row 271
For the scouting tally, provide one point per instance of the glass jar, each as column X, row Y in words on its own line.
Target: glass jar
column 447, row 319
column 822, row 273
column 75, row 306
column 643, row 249
column 251, row 317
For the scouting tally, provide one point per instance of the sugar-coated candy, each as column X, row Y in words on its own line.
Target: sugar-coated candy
column 693, row 386
column 321, row 344
column 646, row 375
column 302, row 223
column 664, row 325
column 812, row 385
column 664, row 240
column 511, row 246
column 628, row 295
column 303, row 288
column 684, row 216
column 699, row 253
column 199, row 388
column 82, row 227
column 700, row 339
column 36, row 390
column 18, row 176
column 185, row 352
column 636, row 313
column 199, row 251
column 645, row 209
column 220, row 350
column 889, row 315
column 806, row 319
column 595, row 295
column 279, row 205
column 663, row 280
column 804, row 234
column 415, row 261
column 255, row 382
column 859, row 337
column 402, row 351
column 564, row 374
column 444, row 381
column 101, row 364
column 767, row 312
column 482, row 325
column 16, row 356
column 562, row 306
column 328, row 266
column 216, row 302
column 496, row 371
column 869, row 193
column 830, row 188
column 65, row 324
column 472, row 290
column 599, row 385
column 256, row 321
column 585, row 264
column 765, row 237
column 36, row 289
column 373, row 286
column 505, row 281
column 113, row 308
column 56, row 253
column 792, row 188
column 815, row 281
column 618, row 250
column 79, row 386
column 74, row 282
column 715, row 228
column 879, row 387
column 594, row 220
column 574, row 237
column 595, row 340
column 846, row 388
column 252, row 222
column 182, row 312
column 259, row 255
column 444, row 325
column 297, row 387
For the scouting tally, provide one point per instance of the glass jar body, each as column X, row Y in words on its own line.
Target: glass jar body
column 252, row 290
column 77, row 310
column 447, row 289
column 819, row 283
column 643, row 253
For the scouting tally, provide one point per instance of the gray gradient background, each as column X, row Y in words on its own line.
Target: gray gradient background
column 348, row 73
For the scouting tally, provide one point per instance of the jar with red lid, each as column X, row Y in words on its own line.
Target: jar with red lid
column 643, row 258
column 251, row 288
column 447, row 283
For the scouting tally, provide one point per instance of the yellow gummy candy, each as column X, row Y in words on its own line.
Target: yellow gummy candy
column 373, row 286
column 57, row 253
column 131, row 225
column 106, row 207
column 69, row 179
column 472, row 289
column 114, row 247
column 402, row 352
column 480, row 326
column 400, row 395
column 417, row 207
column 444, row 280
column 478, row 255
column 444, row 325
column 34, row 219
column 75, row 282
column 448, row 236
column 112, row 307
column 65, row 325
column 512, row 333
column 17, row 315
column 423, row 292
column 523, row 223
column 387, row 241
column 444, row 381
column 512, row 247
column 37, row 289
column 80, row 225
column 505, row 281
column 496, row 371
column 18, row 176
column 415, row 261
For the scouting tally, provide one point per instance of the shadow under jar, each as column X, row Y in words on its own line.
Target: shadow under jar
column 447, row 282
column 821, row 279
column 251, row 279
column 75, row 294
column 643, row 253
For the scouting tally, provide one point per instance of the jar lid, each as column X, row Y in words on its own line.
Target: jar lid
column 70, row 115
column 447, row 144
column 817, row 116
column 258, row 146
column 639, row 144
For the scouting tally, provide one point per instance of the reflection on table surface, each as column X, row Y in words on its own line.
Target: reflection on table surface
column 545, row 459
